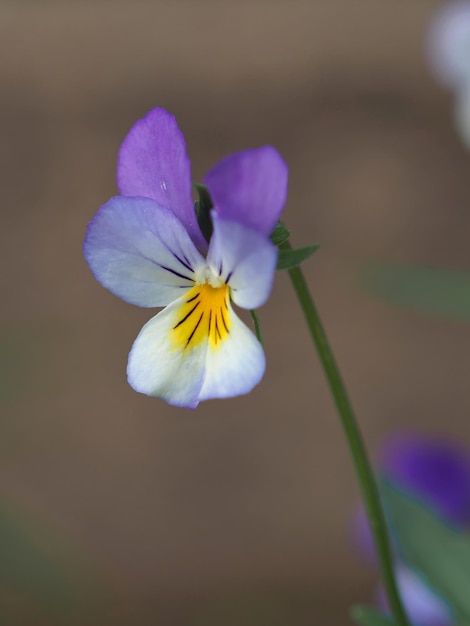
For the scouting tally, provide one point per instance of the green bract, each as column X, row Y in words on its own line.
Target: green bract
column 288, row 259
column 280, row 234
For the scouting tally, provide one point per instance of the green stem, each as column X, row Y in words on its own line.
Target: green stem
column 362, row 465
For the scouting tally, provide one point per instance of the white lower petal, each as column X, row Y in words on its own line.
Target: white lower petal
column 196, row 349
column 245, row 259
column 158, row 368
column 235, row 366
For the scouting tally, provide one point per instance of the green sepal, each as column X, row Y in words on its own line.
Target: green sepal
column 203, row 207
column 437, row 552
column 257, row 325
column 366, row 616
column 280, row 234
column 288, row 259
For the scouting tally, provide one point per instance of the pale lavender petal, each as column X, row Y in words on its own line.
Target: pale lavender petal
column 362, row 536
column 422, row 605
column 435, row 471
column 244, row 259
column 153, row 163
column 250, row 187
column 141, row 252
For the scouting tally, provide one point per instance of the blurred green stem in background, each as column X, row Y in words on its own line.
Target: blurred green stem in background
column 364, row 471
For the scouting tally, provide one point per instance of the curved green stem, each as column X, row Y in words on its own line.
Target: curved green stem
column 362, row 465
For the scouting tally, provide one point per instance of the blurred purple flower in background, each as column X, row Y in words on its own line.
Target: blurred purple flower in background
column 146, row 247
column 422, row 605
column 436, row 472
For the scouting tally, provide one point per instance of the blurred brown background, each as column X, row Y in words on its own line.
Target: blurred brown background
column 237, row 513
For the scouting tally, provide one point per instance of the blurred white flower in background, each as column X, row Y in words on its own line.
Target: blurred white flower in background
column 448, row 44
column 448, row 53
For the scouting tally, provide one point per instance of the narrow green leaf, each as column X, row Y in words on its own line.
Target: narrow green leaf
column 435, row 291
column 257, row 325
column 366, row 616
column 280, row 234
column 288, row 259
column 436, row 551
column 203, row 210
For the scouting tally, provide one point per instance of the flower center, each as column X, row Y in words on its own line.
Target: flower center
column 204, row 315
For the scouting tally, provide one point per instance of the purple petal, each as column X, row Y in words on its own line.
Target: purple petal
column 244, row 259
column 250, row 187
column 435, row 471
column 141, row 252
column 153, row 163
column 362, row 536
column 422, row 605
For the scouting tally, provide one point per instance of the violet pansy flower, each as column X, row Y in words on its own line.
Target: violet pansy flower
column 434, row 470
column 437, row 472
column 146, row 247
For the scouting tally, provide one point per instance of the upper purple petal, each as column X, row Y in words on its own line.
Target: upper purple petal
column 153, row 163
column 436, row 471
column 250, row 187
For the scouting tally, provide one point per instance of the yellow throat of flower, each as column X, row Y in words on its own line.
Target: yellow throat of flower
column 204, row 315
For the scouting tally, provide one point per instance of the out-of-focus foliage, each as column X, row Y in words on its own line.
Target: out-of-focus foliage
column 428, row 290
column 43, row 569
column 365, row 616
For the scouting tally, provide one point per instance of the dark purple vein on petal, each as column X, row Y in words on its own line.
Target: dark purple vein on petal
column 186, row 265
column 168, row 269
column 194, row 329
column 223, row 319
column 187, row 315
